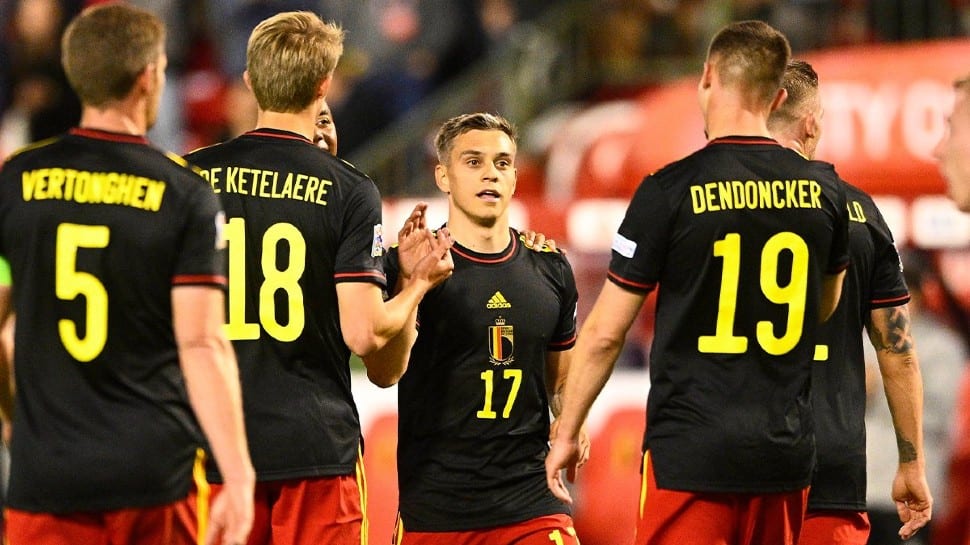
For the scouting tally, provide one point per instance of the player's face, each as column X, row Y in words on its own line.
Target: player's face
column 325, row 135
column 480, row 177
column 151, row 114
column 953, row 151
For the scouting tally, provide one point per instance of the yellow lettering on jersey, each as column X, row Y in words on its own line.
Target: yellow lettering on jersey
column 288, row 187
column 856, row 213
column 755, row 195
column 311, row 187
column 86, row 187
column 214, row 177
column 322, row 194
column 264, row 184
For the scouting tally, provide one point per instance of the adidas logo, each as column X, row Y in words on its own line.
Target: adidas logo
column 498, row 301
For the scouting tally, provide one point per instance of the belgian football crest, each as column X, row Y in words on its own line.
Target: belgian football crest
column 500, row 341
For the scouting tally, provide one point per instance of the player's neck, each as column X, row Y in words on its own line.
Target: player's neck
column 302, row 123
column 731, row 118
column 490, row 238
column 120, row 117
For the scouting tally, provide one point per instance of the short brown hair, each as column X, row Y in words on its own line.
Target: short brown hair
column 801, row 83
column 751, row 55
column 106, row 47
column 287, row 57
column 444, row 141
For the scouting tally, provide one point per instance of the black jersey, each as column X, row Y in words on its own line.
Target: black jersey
column 98, row 227
column 874, row 280
column 298, row 222
column 738, row 236
column 474, row 414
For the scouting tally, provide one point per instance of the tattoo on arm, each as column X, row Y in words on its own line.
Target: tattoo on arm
column 907, row 451
column 889, row 330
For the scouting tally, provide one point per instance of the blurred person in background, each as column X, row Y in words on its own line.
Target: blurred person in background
column 953, row 155
column 36, row 101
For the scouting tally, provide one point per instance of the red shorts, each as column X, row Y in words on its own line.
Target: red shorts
column 832, row 527
column 174, row 523
column 309, row 511
column 674, row 517
column 546, row 530
column 142, row 526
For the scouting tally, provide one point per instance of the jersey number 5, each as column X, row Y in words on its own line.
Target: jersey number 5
column 793, row 294
column 69, row 283
column 286, row 279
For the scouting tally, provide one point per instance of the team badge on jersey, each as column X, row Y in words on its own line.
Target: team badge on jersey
column 377, row 247
column 500, row 343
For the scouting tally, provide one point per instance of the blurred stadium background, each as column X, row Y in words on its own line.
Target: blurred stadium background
column 603, row 92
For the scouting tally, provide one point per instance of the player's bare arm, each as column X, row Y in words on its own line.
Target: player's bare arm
column 597, row 348
column 557, row 369
column 889, row 332
column 212, row 381
column 369, row 324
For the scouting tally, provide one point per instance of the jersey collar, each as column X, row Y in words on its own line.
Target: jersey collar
column 758, row 140
column 489, row 259
column 99, row 134
column 277, row 133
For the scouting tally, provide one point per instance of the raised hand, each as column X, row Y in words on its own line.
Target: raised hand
column 414, row 240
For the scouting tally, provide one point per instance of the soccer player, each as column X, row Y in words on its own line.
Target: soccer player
column 325, row 134
column 492, row 350
column 305, row 289
column 874, row 296
column 115, row 249
column 747, row 242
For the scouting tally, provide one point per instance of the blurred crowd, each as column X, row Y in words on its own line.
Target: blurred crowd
column 400, row 51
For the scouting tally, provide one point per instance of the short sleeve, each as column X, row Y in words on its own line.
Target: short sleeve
column 565, row 335
column 888, row 285
column 361, row 247
column 201, row 258
column 640, row 245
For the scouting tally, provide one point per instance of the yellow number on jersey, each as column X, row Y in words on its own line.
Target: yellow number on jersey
column 488, row 377
column 286, row 279
column 555, row 536
column 70, row 282
column 793, row 294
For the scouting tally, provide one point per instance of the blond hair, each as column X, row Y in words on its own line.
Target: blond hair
column 801, row 83
column 287, row 58
column 106, row 47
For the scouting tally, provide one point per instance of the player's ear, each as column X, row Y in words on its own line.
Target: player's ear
column 249, row 84
column 780, row 97
column 707, row 76
column 811, row 125
column 441, row 178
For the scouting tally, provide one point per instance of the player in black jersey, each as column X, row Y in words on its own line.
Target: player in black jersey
column 116, row 257
column 305, row 289
column 493, row 345
column 874, row 297
column 747, row 242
